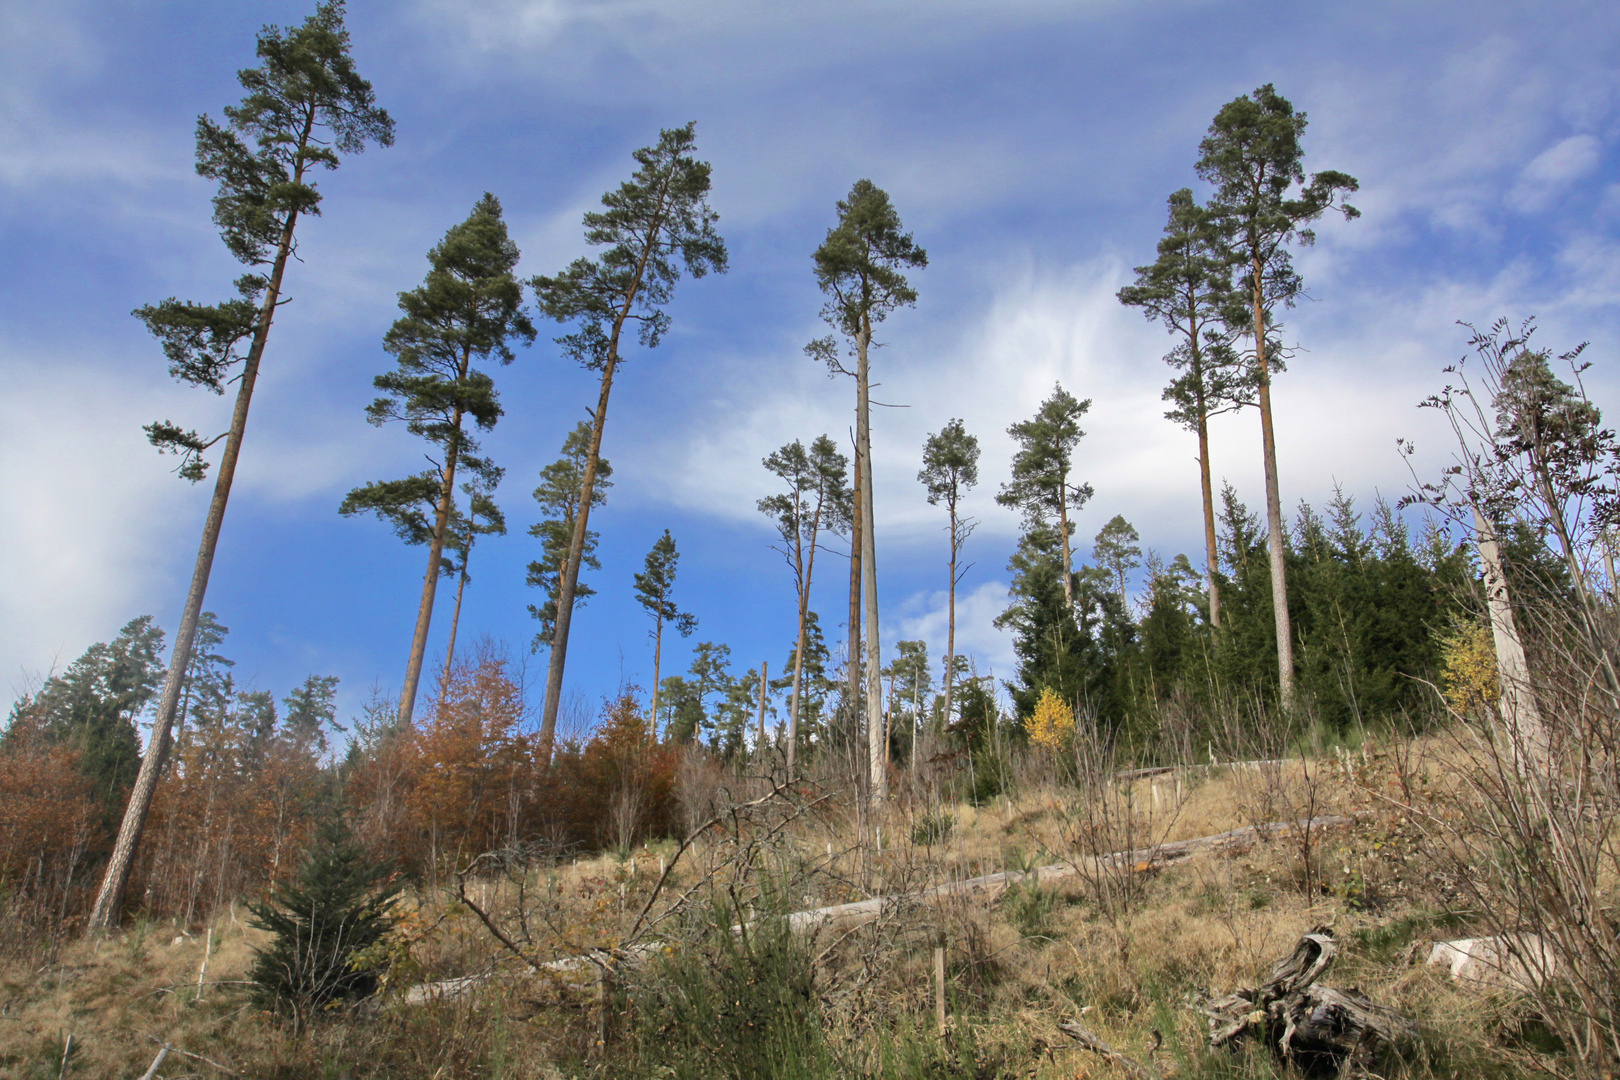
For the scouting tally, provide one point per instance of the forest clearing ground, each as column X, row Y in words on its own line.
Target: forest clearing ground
column 1125, row 948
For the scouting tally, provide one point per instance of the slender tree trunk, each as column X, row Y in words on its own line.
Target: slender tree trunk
column 1274, row 521
column 430, row 583
column 570, row 570
column 764, row 666
column 804, row 620
column 856, row 530
column 658, row 656
column 950, row 616
column 877, row 746
column 587, row 488
column 1211, row 556
column 455, row 618
column 1063, row 526
column 110, row 899
column 1518, row 707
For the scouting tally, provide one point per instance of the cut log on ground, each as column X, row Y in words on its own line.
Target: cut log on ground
column 1321, row 1030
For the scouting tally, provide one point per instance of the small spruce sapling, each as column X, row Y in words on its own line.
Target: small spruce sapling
column 340, row 904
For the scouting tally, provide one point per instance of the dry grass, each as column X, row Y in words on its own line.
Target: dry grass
column 1020, row 962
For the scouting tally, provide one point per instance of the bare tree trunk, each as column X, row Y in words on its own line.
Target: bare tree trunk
column 658, row 656
column 802, row 571
column 856, row 530
column 1274, row 521
column 110, row 899
column 430, row 583
column 1211, row 556
column 455, row 618
column 764, row 666
column 1063, row 527
column 950, row 617
column 877, row 746
column 570, row 569
column 1518, row 701
column 587, row 488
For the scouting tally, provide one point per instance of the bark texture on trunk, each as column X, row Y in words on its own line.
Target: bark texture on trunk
column 857, row 529
column 110, row 898
column 1518, row 701
column 455, row 619
column 950, row 618
column 1274, row 521
column 877, row 745
column 1063, row 527
column 430, row 583
column 576, row 552
column 658, row 656
column 764, row 667
column 1211, row 555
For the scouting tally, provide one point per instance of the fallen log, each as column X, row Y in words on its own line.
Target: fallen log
column 1319, row 1029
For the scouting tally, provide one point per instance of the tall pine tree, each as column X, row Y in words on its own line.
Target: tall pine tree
column 1262, row 203
column 467, row 311
column 305, row 105
column 859, row 267
column 652, row 226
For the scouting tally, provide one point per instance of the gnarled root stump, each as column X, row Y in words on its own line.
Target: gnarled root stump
column 1323, row 1031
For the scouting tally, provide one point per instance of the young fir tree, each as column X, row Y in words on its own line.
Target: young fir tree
column 817, row 500
column 305, row 106
column 482, row 518
column 1189, row 289
column 467, row 311
column 1118, row 552
column 653, row 588
column 560, row 495
column 950, row 468
column 655, row 223
column 322, row 922
column 1262, row 203
column 859, row 266
column 1040, row 484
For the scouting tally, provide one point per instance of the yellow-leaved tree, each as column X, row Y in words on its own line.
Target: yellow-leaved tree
column 1052, row 725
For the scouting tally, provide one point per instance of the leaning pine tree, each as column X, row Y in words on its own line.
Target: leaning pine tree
column 1252, row 156
column 654, row 223
column 858, row 267
column 467, row 310
column 305, row 106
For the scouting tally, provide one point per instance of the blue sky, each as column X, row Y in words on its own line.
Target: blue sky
column 1029, row 145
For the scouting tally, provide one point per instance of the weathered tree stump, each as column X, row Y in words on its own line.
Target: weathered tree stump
column 1321, row 1030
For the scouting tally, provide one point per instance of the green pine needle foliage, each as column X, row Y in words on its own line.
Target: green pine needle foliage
column 339, row 904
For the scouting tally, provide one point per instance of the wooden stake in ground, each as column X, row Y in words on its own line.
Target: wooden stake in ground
column 939, row 985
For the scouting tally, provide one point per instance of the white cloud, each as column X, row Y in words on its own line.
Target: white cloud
column 925, row 616
column 96, row 514
column 1553, row 170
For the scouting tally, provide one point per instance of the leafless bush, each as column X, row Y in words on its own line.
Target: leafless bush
column 1108, row 830
column 697, row 784
column 1533, row 846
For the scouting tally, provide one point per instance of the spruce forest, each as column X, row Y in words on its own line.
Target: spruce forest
column 658, row 633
